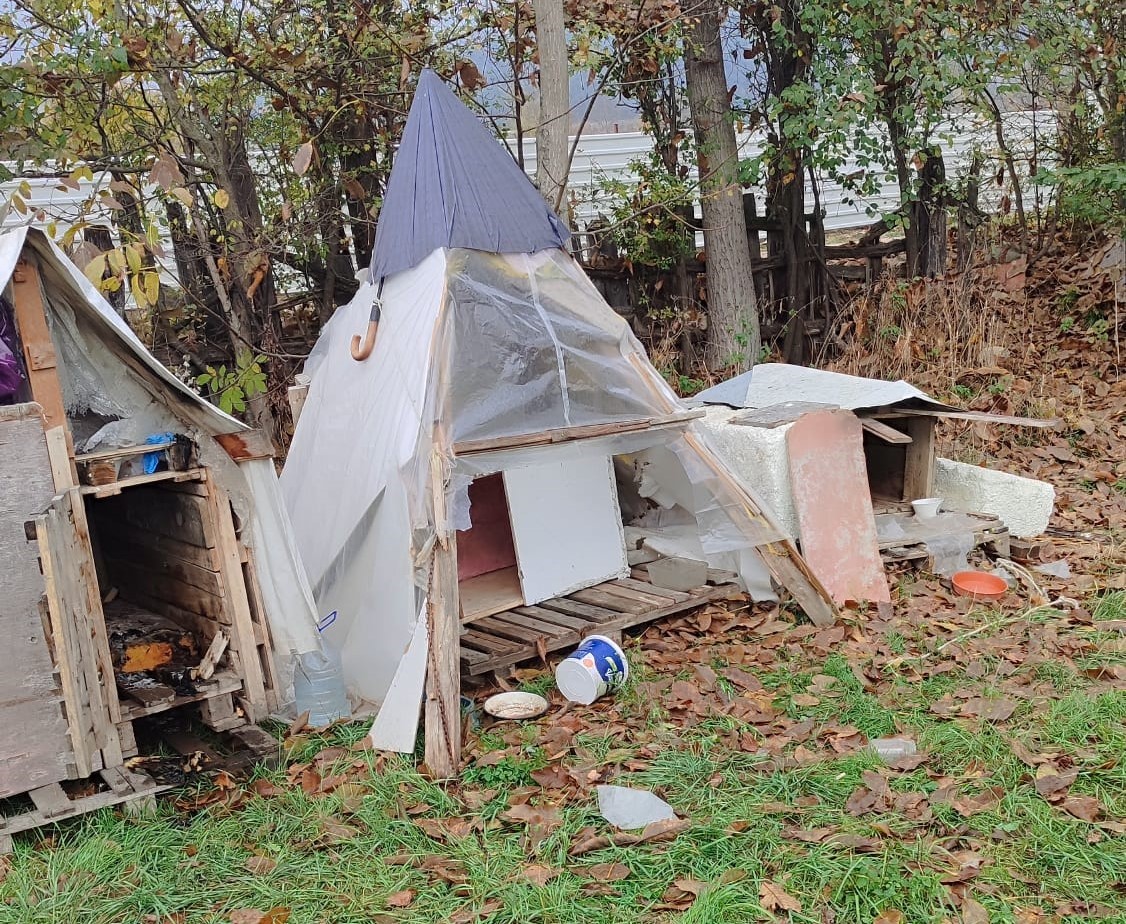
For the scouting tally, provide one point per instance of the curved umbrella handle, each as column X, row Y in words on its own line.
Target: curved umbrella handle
column 362, row 346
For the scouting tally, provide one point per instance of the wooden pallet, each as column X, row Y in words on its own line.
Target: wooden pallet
column 50, row 804
column 988, row 531
column 521, row 633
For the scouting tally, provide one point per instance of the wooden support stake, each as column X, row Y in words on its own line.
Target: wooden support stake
column 236, row 602
column 443, row 676
column 38, row 347
column 918, row 471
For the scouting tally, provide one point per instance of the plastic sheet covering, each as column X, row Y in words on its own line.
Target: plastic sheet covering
column 536, row 349
column 358, row 472
column 950, row 552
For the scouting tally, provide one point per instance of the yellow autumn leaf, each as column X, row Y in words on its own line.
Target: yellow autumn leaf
column 221, row 199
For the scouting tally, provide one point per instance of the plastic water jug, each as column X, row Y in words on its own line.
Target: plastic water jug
column 318, row 688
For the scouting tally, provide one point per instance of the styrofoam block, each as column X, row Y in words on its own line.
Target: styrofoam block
column 1024, row 505
column 758, row 456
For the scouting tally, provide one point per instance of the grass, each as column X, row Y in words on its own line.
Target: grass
column 754, row 818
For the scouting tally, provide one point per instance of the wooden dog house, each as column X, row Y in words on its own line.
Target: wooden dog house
column 133, row 573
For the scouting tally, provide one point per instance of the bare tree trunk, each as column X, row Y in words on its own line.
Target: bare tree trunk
column 930, row 215
column 733, row 329
column 552, row 155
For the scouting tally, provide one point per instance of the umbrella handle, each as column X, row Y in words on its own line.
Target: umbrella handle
column 362, row 346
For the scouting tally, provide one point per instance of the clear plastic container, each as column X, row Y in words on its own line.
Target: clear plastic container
column 318, row 688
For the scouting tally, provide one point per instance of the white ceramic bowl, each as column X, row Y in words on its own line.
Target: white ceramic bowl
column 926, row 508
column 515, row 705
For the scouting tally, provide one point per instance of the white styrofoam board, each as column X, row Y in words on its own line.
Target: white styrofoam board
column 1024, row 505
column 567, row 526
column 396, row 725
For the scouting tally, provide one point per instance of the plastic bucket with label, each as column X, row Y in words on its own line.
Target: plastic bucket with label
column 597, row 666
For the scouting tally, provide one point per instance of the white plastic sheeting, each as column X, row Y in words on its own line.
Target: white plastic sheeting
column 479, row 346
column 94, row 343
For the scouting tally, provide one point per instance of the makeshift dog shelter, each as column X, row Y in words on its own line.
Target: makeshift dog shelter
column 750, row 419
column 148, row 562
column 458, row 474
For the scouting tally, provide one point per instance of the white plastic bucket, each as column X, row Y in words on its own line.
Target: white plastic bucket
column 926, row 508
column 597, row 666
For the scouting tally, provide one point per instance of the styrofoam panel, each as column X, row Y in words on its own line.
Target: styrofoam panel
column 567, row 526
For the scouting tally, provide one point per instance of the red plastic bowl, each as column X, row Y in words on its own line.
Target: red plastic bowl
column 979, row 584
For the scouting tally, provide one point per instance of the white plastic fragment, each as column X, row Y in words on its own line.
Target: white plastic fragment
column 890, row 749
column 630, row 809
column 1056, row 569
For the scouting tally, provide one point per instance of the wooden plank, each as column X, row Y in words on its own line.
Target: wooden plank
column 609, row 601
column 40, row 360
column 244, row 445
column 472, row 656
column 522, row 635
column 78, row 627
column 490, row 593
column 768, row 418
column 532, row 626
column 918, row 472
column 35, row 746
column 572, row 607
column 148, row 560
column 115, row 487
column 127, row 576
column 236, row 602
column 566, row 434
column 121, row 452
column 1053, row 423
column 223, row 683
column 659, row 596
column 142, row 689
column 825, row 452
column 884, row 432
column 62, row 469
column 666, row 593
column 26, row 821
column 487, row 643
column 147, row 546
column 443, row 678
column 50, row 800
column 262, row 637
column 555, row 618
column 154, row 509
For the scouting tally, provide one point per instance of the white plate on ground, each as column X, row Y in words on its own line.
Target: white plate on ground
column 515, row 705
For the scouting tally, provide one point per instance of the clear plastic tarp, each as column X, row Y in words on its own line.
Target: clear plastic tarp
column 535, row 349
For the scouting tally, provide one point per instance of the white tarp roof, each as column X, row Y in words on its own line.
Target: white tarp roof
column 777, row 383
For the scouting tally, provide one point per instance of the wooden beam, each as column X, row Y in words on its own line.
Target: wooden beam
column 236, row 602
column 38, row 347
column 567, row 434
column 245, row 445
column 297, row 395
column 1052, row 423
column 918, row 471
column 443, row 675
column 884, row 432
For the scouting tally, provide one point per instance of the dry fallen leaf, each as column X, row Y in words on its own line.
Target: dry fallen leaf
column 889, row 916
column 303, row 158
column 260, row 866
column 1050, row 779
column 775, row 898
column 973, row 912
column 984, row 801
column 539, row 875
column 246, row 916
column 1086, row 808
column 608, row 872
column 541, row 821
column 400, row 899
